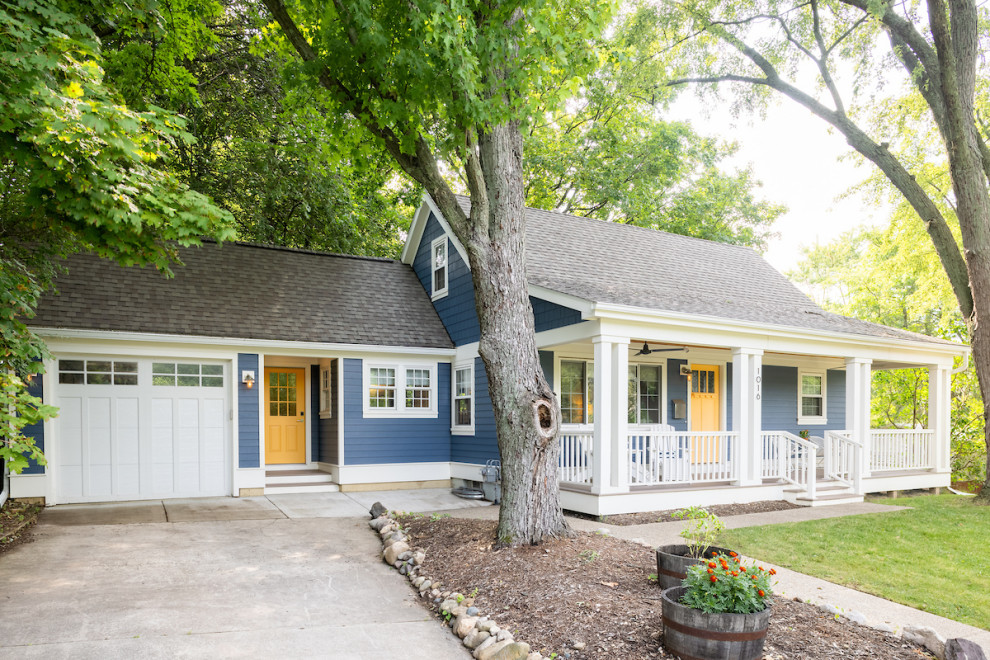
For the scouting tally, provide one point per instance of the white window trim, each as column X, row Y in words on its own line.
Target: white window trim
column 589, row 375
column 439, row 293
column 400, row 409
column 455, row 428
column 327, row 412
column 662, row 366
column 812, row 421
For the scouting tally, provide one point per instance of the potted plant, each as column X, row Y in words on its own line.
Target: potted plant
column 720, row 613
column 674, row 560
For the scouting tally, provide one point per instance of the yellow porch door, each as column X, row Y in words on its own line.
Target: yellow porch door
column 285, row 416
column 705, row 412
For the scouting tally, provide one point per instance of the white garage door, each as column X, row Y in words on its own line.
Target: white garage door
column 131, row 429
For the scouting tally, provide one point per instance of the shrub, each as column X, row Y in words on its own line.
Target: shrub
column 724, row 585
column 703, row 530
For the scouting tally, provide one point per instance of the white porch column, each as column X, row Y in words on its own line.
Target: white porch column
column 611, row 462
column 939, row 411
column 859, row 380
column 747, row 413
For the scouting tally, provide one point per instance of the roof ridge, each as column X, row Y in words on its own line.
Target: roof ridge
column 636, row 227
column 283, row 248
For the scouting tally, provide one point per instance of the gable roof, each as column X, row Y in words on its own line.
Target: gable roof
column 620, row 264
column 241, row 290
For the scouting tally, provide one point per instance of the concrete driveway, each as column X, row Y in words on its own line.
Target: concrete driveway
column 285, row 576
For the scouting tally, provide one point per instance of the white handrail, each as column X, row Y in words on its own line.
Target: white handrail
column 901, row 449
column 791, row 458
column 659, row 455
column 843, row 459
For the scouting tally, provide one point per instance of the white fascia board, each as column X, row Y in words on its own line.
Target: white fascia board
column 411, row 247
column 709, row 329
column 72, row 339
column 583, row 305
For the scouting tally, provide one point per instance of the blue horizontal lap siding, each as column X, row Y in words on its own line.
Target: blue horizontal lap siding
column 248, row 411
column 456, row 310
column 546, row 362
column 36, row 430
column 676, row 389
column 780, row 401
column 376, row 440
column 548, row 315
column 483, row 445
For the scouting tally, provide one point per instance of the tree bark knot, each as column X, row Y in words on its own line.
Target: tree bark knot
column 545, row 420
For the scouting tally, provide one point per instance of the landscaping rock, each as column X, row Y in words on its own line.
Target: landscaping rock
column 958, row 648
column 393, row 551
column 406, row 556
column 578, row 646
column 536, row 655
column 884, row 628
column 487, row 644
column 475, row 638
column 378, row 510
column 378, row 523
column 829, row 608
column 419, row 558
column 487, row 625
column 472, row 611
column 927, row 637
column 855, row 617
column 418, row 582
column 448, row 605
column 386, row 529
column 505, row 651
column 503, row 635
column 464, row 625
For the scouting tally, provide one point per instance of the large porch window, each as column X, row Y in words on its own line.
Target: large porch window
column 577, row 392
column 644, row 394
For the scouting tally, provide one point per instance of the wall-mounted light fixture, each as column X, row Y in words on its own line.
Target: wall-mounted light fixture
column 247, row 377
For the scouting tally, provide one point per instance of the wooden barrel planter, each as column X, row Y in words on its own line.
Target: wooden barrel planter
column 694, row 635
column 674, row 560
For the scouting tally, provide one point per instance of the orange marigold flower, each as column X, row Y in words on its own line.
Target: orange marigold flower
column 732, row 554
column 761, row 593
column 754, row 577
column 742, row 568
column 711, row 564
column 711, row 572
column 735, row 573
column 773, row 571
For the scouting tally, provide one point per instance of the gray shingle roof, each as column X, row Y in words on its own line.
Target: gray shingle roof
column 252, row 292
column 621, row 264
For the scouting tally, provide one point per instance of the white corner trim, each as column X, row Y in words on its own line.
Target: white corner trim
column 29, row 485
column 248, row 478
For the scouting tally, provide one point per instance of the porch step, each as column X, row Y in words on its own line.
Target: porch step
column 826, row 500
column 299, row 481
column 826, row 493
column 280, row 477
column 305, row 487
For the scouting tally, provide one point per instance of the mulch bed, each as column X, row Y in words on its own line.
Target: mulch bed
column 16, row 520
column 720, row 510
column 596, row 589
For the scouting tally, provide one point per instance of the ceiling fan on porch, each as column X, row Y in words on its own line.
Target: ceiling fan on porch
column 646, row 350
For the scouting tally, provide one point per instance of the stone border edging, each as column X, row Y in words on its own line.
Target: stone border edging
column 479, row 633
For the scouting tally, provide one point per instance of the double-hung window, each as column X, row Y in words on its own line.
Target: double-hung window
column 398, row 390
column 644, row 394
column 463, row 414
column 438, row 266
column 326, row 409
column 577, row 392
column 811, row 397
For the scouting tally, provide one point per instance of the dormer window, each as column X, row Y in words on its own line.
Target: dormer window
column 439, row 267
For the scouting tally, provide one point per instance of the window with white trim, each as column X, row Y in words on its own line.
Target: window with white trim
column 463, row 409
column 438, row 266
column 577, row 392
column 811, row 397
column 97, row 372
column 645, row 390
column 325, row 389
column 400, row 390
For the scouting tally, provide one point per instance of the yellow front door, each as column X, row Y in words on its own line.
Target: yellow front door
column 285, row 416
column 705, row 412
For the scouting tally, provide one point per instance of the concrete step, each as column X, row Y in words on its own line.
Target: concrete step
column 280, row 477
column 828, row 500
column 305, row 487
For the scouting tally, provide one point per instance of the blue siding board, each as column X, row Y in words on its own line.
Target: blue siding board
column 36, row 430
column 328, row 427
column 314, row 411
column 248, row 411
column 456, row 310
column 483, row 445
column 548, row 315
column 394, row 439
column 676, row 389
column 546, row 362
column 780, row 400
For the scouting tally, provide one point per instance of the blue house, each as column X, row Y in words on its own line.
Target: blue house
column 687, row 371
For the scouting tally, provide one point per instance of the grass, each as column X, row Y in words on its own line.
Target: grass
column 934, row 557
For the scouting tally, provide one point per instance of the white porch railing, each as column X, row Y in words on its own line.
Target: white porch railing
column 843, row 458
column 791, row 458
column 659, row 455
column 576, row 454
column 901, row 449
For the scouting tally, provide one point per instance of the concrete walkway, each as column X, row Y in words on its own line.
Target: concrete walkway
column 282, row 576
column 791, row 583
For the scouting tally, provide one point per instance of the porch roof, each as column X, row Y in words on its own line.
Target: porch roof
column 247, row 291
column 612, row 263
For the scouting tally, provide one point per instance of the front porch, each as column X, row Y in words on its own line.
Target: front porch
column 657, row 417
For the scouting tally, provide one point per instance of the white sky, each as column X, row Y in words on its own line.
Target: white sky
column 797, row 160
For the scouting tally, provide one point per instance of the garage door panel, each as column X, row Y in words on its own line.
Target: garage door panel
column 135, row 438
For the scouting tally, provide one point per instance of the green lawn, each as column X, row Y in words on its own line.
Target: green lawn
column 935, row 557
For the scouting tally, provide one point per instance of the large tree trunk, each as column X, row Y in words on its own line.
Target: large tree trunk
column 526, row 411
